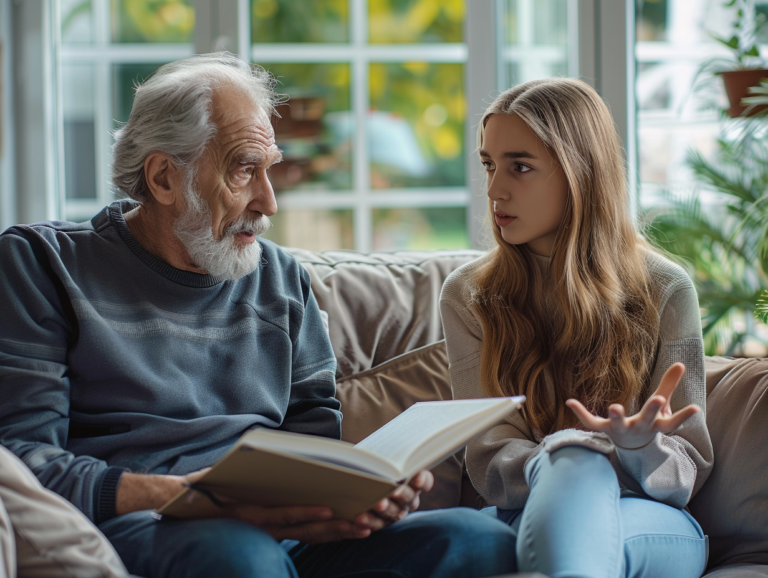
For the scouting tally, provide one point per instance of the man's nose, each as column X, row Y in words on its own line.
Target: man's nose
column 263, row 196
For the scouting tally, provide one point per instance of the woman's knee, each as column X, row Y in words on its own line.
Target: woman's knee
column 569, row 464
column 661, row 541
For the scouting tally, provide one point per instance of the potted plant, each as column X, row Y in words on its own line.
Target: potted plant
column 750, row 69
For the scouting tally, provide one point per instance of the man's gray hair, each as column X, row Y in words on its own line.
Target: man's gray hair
column 171, row 113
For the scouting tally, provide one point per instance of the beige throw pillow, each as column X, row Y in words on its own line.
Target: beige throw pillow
column 44, row 536
column 732, row 506
column 374, row 397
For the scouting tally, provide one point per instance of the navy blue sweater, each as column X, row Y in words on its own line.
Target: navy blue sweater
column 113, row 360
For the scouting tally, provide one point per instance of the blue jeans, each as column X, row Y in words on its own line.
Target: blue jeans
column 575, row 524
column 458, row 543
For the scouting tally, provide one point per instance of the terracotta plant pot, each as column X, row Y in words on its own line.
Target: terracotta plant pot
column 736, row 84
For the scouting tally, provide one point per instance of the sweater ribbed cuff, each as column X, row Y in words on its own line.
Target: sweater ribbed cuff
column 106, row 494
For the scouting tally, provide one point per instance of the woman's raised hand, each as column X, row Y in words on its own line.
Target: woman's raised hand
column 638, row 430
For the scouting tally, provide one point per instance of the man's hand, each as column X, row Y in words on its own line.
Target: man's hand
column 639, row 430
column 316, row 524
column 304, row 523
column 397, row 505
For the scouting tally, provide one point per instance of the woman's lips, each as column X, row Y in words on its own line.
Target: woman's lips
column 503, row 220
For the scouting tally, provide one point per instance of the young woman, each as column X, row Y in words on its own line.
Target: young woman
column 572, row 309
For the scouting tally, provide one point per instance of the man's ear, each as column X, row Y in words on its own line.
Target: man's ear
column 164, row 178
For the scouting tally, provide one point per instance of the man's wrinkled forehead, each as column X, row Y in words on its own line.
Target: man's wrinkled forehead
column 241, row 122
column 233, row 109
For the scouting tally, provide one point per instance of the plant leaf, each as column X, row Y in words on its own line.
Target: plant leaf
column 761, row 308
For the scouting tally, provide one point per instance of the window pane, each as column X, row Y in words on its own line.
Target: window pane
column 76, row 22
column 536, row 40
column 316, row 229
column 77, row 92
column 313, row 21
column 678, row 102
column 663, row 148
column 125, row 78
column 152, row 20
column 420, row 229
column 652, row 21
column 316, row 127
column 414, row 21
column 416, row 126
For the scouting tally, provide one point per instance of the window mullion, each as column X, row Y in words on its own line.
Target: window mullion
column 481, row 78
column 361, row 170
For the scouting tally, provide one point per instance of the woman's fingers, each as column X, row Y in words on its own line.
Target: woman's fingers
column 649, row 412
column 586, row 417
column 618, row 419
column 669, row 382
column 671, row 423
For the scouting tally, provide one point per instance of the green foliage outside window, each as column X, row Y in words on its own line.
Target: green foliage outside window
column 430, row 96
column 315, row 21
column 415, row 21
column 152, row 20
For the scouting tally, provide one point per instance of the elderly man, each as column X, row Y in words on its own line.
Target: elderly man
column 137, row 347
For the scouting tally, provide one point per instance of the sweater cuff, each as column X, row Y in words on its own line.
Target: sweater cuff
column 106, row 494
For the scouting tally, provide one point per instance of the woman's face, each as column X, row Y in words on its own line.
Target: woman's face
column 526, row 184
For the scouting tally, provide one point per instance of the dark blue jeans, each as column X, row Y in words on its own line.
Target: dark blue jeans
column 458, row 543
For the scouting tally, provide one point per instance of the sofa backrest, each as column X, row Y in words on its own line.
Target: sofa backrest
column 732, row 506
column 379, row 305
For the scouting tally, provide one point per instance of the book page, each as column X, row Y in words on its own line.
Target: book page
column 416, row 427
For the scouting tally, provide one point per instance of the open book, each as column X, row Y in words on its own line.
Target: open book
column 275, row 468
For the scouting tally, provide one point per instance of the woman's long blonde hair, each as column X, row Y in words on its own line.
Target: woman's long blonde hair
column 597, row 329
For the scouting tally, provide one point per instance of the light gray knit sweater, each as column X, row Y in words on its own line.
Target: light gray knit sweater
column 670, row 469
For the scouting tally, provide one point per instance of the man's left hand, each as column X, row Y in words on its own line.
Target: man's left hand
column 398, row 504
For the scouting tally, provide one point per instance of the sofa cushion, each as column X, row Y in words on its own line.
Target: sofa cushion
column 739, row 571
column 379, row 305
column 732, row 506
column 372, row 398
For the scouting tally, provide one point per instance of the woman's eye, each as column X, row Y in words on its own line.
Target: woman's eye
column 488, row 166
column 521, row 168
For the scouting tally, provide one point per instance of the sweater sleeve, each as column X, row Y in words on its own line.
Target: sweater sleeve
column 35, row 329
column 313, row 407
column 673, row 467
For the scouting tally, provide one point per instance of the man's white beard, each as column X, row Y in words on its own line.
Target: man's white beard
column 222, row 258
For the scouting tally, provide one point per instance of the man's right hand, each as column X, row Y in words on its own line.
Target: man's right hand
column 310, row 524
column 304, row 523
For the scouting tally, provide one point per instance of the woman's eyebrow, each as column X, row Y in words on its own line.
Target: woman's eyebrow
column 510, row 155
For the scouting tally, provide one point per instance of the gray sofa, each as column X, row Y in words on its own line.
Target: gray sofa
column 384, row 324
